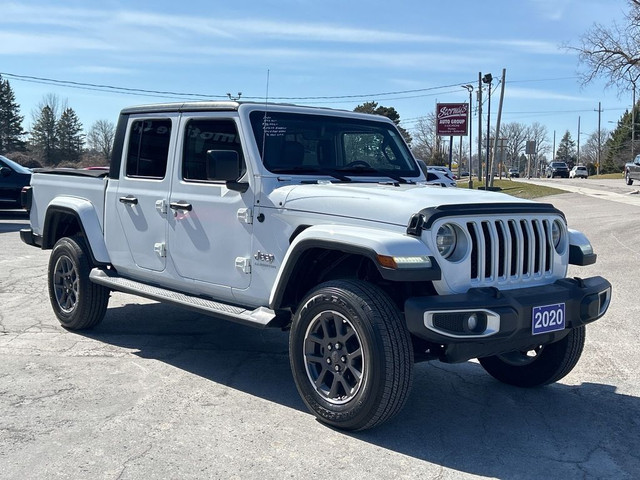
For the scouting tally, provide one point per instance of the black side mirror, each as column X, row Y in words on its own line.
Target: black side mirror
column 5, row 172
column 225, row 165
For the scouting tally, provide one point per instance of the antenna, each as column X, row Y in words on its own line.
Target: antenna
column 264, row 120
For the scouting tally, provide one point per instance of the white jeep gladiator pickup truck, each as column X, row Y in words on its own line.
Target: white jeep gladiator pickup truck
column 318, row 222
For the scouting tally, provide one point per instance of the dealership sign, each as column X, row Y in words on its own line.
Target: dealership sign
column 452, row 119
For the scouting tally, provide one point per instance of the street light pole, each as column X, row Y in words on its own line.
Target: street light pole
column 470, row 90
column 488, row 78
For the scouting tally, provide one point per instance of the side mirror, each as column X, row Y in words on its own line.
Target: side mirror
column 5, row 172
column 225, row 165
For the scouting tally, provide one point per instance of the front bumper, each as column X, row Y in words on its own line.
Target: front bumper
column 506, row 323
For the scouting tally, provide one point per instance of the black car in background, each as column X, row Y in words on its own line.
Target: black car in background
column 557, row 169
column 12, row 178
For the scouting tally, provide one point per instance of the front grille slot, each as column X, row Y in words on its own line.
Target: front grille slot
column 509, row 249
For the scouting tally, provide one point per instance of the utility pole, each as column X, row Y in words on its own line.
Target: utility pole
column 578, row 157
column 470, row 90
column 488, row 78
column 599, row 139
column 479, row 127
column 495, row 142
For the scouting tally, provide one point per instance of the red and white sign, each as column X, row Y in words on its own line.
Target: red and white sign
column 452, row 119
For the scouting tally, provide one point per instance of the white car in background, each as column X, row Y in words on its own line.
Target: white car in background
column 437, row 175
column 579, row 171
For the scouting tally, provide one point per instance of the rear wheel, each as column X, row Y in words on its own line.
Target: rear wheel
column 77, row 302
column 351, row 355
column 542, row 365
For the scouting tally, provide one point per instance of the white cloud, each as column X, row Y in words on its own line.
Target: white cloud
column 535, row 94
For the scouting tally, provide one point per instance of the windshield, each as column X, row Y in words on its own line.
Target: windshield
column 323, row 144
column 13, row 165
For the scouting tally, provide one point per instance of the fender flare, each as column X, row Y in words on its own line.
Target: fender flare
column 86, row 216
column 367, row 242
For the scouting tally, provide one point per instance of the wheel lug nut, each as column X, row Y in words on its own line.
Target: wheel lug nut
column 343, row 358
column 338, row 346
column 337, row 368
column 329, row 347
column 328, row 360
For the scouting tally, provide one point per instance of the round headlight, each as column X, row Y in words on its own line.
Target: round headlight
column 446, row 240
column 556, row 233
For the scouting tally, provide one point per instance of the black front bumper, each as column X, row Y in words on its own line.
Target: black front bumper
column 585, row 300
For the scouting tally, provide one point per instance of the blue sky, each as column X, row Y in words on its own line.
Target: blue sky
column 327, row 53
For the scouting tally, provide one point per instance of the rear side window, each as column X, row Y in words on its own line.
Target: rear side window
column 148, row 148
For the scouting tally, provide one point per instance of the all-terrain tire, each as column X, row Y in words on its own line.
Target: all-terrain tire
column 351, row 354
column 77, row 302
column 542, row 366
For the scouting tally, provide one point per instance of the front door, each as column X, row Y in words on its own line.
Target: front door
column 210, row 226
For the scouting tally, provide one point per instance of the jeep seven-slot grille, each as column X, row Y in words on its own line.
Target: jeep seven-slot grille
column 509, row 249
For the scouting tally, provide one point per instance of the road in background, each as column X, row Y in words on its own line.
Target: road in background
column 614, row 190
column 156, row 392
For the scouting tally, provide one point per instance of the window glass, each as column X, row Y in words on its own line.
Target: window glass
column 203, row 135
column 302, row 143
column 148, row 149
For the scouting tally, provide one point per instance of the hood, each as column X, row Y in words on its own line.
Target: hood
column 381, row 203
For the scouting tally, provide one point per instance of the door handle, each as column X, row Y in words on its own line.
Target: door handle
column 129, row 200
column 180, row 206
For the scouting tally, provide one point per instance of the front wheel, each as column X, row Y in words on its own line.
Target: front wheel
column 77, row 302
column 627, row 178
column 542, row 365
column 351, row 354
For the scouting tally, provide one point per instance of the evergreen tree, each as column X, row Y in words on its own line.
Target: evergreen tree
column 70, row 137
column 389, row 112
column 44, row 137
column 10, row 120
column 566, row 150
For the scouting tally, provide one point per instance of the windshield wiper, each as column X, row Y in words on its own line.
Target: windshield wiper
column 301, row 170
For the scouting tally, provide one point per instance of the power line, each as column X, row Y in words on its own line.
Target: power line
column 147, row 92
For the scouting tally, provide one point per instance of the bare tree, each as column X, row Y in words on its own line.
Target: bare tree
column 538, row 133
column 516, row 135
column 100, row 138
column 426, row 144
column 612, row 52
column 56, row 104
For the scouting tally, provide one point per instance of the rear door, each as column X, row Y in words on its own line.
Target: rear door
column 143, row 189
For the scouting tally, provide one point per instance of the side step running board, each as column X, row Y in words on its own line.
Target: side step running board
column 260, row 317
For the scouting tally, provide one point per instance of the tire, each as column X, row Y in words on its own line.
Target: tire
column 628, row 178
column 351, row 355
column 544, row 365
column 77, row 302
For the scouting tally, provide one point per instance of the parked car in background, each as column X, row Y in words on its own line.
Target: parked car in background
column 557, row 169
column 12, row 178
column 632, row 171
column 436, row 176
column 514, row 173
column 579, row 171
column 444, row 170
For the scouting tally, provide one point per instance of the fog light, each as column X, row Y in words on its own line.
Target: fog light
column 472, row 322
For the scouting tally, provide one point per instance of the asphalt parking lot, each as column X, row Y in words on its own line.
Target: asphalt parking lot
column 158, row 392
